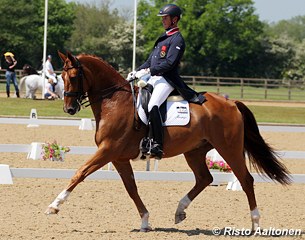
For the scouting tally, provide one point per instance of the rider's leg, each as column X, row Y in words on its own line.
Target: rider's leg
column 161, row 91
column 156, row 128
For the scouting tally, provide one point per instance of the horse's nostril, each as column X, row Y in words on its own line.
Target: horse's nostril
column 71, row 111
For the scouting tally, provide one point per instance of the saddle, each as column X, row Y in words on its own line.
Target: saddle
column 145, row 95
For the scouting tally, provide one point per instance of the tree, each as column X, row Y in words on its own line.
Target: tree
column 219, row 34
column 22, row 28
column 120, row 42
column 91, row 27
column 293, row 29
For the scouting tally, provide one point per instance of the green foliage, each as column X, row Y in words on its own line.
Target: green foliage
column 223, row 37
column 91, row 26
column 22, row 28
column 292, row 34
column 293, row 28
column 219, row 34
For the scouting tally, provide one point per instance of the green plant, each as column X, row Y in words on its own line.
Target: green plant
column 53, row 151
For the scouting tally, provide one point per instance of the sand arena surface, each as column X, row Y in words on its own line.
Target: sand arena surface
column 102, row 209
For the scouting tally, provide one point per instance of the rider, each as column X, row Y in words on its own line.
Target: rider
column 162, row 69
column 50, row 74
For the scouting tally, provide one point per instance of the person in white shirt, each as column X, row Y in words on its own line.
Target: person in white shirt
column 50, row 74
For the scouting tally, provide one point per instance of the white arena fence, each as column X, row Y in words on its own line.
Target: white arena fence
column 87, row 124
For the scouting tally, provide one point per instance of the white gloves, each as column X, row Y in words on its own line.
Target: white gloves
column 131, row 75
column 143, row 73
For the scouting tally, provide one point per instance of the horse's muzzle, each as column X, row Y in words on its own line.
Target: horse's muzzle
column 72, row 109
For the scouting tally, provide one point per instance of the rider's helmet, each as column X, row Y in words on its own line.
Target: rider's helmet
column 170, row 9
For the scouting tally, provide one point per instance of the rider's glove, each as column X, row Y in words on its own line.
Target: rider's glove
column 131, row 75
column 143, row 73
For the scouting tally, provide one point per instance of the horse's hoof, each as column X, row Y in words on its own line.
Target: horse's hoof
column 51, row 210
column 180, row 217
column 146, row 229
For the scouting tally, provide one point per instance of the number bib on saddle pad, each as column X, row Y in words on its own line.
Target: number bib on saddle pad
column 177, row 113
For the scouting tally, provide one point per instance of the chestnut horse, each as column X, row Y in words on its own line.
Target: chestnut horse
column 229, row 126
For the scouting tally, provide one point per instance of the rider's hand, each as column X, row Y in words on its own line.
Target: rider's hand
column 131, row 75
column 143, row 72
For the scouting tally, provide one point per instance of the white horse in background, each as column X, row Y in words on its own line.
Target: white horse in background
column 33, row 82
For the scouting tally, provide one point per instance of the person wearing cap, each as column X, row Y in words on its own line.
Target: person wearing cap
column 161, row 70
column 50, row 74
column 9, row 65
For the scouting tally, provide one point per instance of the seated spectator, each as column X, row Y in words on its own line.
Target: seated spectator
column 49, row 90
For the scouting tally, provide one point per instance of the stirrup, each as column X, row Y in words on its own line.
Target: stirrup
column 156, row 151
column 145, row 146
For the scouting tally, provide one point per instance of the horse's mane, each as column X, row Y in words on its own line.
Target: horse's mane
column 107, row 65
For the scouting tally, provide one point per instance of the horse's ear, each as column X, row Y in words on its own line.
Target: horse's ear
column 62, row 56
column 72, row 58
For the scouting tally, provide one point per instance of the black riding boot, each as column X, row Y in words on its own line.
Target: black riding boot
column 156, row 133
column 8, row 93
column 17, row 94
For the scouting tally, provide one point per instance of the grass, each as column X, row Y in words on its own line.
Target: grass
column 256, row 93
column 45, row 108
column 272, row 114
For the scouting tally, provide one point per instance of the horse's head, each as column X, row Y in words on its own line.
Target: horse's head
column 73, row 77
column 88, row 76
column 28, row 70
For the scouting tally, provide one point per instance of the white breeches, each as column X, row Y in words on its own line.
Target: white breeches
column 161, row 91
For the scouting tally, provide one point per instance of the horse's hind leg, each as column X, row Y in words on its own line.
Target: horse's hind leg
column 235, row 158
column 196, row 161
column 125, row 170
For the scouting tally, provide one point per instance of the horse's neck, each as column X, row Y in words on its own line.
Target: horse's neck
column 103, row 75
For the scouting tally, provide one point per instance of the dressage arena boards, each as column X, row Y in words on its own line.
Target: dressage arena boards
column 102, row 209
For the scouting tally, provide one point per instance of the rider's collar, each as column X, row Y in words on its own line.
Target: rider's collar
column 172, row 31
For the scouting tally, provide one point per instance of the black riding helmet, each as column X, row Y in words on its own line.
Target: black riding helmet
column 170, row 9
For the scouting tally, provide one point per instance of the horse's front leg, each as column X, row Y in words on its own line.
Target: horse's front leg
column 125, row 170
column 99, row 159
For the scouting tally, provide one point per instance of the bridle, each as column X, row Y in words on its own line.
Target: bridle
column 80, row 95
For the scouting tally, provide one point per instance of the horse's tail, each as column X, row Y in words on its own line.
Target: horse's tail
column 22, row 84
column 261, row 155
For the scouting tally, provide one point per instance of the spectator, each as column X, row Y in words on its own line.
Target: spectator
column 50, row 74
column 9, row 65
column 49, row 90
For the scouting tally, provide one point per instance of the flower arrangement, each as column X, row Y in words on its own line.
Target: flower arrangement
column 53, row 151
column 219, row 165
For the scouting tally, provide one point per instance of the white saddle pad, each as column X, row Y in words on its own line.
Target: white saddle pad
column 178, row 113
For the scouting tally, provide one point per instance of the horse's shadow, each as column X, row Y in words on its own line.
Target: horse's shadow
column 207, row 232
column 191, row 232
